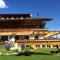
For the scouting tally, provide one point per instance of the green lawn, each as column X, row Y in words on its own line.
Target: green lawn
column 42, row 54
column 32, row 57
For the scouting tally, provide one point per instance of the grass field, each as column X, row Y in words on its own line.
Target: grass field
column 33, row 57
column 42, row 54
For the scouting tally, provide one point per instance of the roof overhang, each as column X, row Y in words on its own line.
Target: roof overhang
column 27, row 19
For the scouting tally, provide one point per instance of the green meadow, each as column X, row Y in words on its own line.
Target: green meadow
column 41, row 54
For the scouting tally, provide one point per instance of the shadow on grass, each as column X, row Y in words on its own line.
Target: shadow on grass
column 37, row 53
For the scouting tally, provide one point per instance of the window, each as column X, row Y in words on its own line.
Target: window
column 40, row 37
column 12, row 18
column 27, row 37
column 4, row 38
column 43, row 46
column 37, row 46
column 17, row 37
column 3, row 18
column 31, row 37
column 36, row 37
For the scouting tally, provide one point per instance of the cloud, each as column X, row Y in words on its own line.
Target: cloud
column 3, row 4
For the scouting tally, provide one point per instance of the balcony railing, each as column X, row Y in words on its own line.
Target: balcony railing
column 22, row 29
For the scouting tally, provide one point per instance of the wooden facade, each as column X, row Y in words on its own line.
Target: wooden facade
column 27, row 30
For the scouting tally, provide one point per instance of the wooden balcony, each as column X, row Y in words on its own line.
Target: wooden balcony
column 39, row 42
column 28, row 31
column 19, row 31
column 22, row 29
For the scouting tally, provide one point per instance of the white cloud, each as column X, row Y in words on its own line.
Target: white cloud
column 3, row 4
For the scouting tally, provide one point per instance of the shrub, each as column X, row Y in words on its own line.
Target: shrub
column 52, row 51
column 23, row 46
column 7, row 46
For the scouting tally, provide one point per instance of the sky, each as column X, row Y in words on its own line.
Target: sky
column 45, row 8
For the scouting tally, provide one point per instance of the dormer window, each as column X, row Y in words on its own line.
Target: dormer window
column 7, row 18
column 2, row 18
column 12, row 18
column 21, row 18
